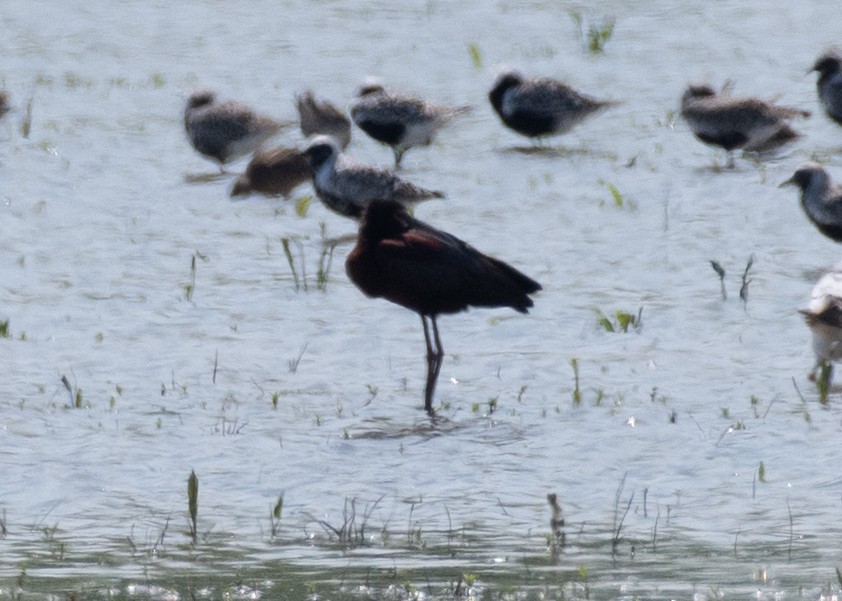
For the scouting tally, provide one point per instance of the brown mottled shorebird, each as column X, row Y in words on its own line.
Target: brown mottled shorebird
column 273, row 172
column 321, row 117
column 225, row 131
column 346, row 186
column 821, row 199
column 4, row 103
column 431, row 272
column 398, row 120
column 824, row 318
column 749, row 124
column 539, row 106
column 829, row 85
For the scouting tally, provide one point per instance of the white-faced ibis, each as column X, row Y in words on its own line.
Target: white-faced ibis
column 225, row 131
column 821, row 199
column 431, row 272
column 319, row 117
column 748, row 124
column 538, row 107
column 273, row 172
column 829, row 67
column 400, row 121
column 346, row 186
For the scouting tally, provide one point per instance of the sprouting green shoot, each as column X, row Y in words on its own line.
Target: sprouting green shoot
column 302, row 205
column 761, row 472
column 598, row 36
column 277, row 511
column 291, row 261
column 26, row 121
column 476, row 57
column 615, row 193
column 4, row 329
column 720, row 271
column 823, row 382
column 193, row 504
column 577, row 393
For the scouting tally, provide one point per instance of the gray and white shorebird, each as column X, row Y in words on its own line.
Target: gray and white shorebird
column 400, row 121
column 824, row 318
column 749, row 124
column 347, row 187
column 821, row 199
column 225, row 131
column 829, row 85
column 321, row 117
column 540, row 106
column 273, row 172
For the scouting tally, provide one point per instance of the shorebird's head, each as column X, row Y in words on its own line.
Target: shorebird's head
column 506, row 79
column 828, row 63
column 370, row 85
column 697, row 90
column 320, row 150
column 200, row 98
column 807, row 175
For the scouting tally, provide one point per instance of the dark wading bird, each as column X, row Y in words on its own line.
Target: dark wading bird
column 225, row 131
column 824, row 318
column 400, row 121
column 749, row 124
column 346, row 186
column 821, row 199
column 431, row 272
column 829, row 85
column 538, row 107
column 273, row 172
column 322, row 118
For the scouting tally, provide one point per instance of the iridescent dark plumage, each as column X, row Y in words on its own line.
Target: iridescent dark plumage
column 431, row 272
column 273, row 172
column 540, row 106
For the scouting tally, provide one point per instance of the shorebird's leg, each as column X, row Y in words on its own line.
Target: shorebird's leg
column 398, row 155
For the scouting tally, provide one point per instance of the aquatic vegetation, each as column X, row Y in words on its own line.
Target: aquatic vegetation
column 190, row 288
column 293, row 363
column 823, row 382
column 275, row 515
column 193, row 506
column 302, row 205
column 577, row 393
column 26, row 120
column 746, row 281
column 619, row 519
column 4, row 329
column 621, row 322
column 597, row 34
column 721, row 273
column 476, row 56
column 352, row 531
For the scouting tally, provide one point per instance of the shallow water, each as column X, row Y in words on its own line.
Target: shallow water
column 265, row 388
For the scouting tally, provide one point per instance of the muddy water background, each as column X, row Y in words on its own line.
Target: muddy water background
column 101, row 218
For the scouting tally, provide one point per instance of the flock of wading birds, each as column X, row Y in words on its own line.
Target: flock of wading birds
column 417, row 266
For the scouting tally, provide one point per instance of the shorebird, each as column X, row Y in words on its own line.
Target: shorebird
column 346, row 186
column 749, row 124
column 273, row 172
column 824, row 318
column 321, row 117
column 4, row 103
column 539, row 106
column 225, row 131
column 431, row 272
column 821, row 199
column 402, row 122
column 829, row 85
